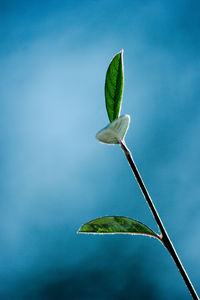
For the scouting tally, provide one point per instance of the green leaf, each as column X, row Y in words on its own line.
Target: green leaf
column 117, row 225
column 115, row 131
column 114, row 86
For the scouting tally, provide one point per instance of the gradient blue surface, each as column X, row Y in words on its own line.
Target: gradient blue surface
column 55, row 175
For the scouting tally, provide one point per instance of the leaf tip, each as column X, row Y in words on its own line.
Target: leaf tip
column 81, row 229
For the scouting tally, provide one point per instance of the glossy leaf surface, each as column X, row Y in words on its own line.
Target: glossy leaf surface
column 116, row 224
column 114, row 86
column 115, row 131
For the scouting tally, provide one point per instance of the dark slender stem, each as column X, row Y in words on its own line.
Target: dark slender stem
column 164, row 236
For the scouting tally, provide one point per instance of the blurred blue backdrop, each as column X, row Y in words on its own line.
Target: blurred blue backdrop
column 55, row 176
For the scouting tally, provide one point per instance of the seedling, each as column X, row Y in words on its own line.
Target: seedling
column 115, row 133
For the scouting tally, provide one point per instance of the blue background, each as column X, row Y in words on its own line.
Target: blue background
column 54, row 174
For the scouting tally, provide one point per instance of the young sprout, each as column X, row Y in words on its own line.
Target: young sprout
column 113, row 134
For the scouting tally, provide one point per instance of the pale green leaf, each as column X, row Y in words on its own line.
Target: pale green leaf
column 115, row 131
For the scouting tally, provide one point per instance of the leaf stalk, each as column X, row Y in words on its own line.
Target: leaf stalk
column 164, row 238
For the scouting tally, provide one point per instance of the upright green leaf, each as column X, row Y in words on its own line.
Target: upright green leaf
column 117, row 224
column 114, row 86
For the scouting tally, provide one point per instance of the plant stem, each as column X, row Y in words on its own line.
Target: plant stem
column 164, row 236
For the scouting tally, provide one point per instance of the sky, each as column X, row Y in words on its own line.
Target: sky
column 55, row 175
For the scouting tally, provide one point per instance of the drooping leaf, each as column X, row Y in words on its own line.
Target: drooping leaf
column 116, row 224
column 115, row 131
column 114, row 86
